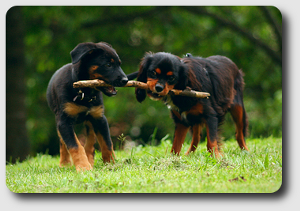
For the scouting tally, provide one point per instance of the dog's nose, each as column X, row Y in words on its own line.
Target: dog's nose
column 159, row 87
column 124, row 81
column 120, row 81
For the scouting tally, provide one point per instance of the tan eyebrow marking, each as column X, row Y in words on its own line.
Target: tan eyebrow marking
column 170, row 73
column 158, row 71
column 93, row 68
column 112, row 60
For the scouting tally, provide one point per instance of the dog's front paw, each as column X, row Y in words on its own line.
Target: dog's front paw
column 64, row 163
column 80, row 159
column 83, row 166
column 108, row 156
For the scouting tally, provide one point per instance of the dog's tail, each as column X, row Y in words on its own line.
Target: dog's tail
column 132, row 76
column 239, row 87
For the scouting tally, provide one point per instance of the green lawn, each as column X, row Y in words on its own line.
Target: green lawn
column 152, row 169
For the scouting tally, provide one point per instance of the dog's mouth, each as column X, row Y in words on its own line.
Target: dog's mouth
column 109, row 91
column 154, row 96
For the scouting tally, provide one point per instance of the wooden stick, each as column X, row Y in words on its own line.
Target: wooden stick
column 190, row 93
column 99, row 83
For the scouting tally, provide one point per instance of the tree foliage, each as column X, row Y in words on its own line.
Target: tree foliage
column 250, row 36
column 17, row 143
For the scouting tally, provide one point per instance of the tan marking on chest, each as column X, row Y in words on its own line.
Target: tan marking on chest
column 196, row 110
column 73, row 109
column 97, row 111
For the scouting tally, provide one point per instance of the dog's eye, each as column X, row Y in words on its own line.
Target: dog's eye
column 171, row 78
column 108, row 64
column 153, row 73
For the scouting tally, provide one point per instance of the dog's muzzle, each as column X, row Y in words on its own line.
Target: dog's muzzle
column 120, row 81
column 159, row 87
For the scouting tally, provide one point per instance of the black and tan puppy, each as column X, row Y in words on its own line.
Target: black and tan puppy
column 216, row 75
column 72, row 106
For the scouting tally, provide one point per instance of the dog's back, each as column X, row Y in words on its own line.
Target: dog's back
column 59, row 79
column 217, row 75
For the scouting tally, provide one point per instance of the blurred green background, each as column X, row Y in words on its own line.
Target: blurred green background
column 39, row 41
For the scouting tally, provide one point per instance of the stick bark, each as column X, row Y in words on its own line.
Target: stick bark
column 99, row 83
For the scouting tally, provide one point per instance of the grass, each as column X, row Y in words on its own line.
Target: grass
column 152, row 169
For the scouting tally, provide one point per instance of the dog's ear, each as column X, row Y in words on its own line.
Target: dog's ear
column 140, row 94
column 144, row 66
column 81, row 50
column 183, row 76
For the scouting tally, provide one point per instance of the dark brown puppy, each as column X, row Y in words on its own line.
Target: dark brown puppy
column 72, row 106
column 216, row 75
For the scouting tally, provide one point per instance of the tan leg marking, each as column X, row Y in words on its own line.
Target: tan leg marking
column 64, row 159
column 89, row 144
column 179, row 136
column 107, row 154
column 78, row 156
column 212, row 146
column 196, row 138
column 237, row 115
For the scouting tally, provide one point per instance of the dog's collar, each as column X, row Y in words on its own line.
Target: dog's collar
column 81, row 96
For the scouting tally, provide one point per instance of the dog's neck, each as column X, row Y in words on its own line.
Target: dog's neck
column 169, row 103
column 179, row 103
column 79, row 72
column 84, row 95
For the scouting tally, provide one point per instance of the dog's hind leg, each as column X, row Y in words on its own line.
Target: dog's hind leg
column 212, row 136
column 65, row 158
column 106, row 148
column 179, row 136
column 76, row 150
column 89, row 144
column 101, row 128
column 196, row 138
column 238, row 114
